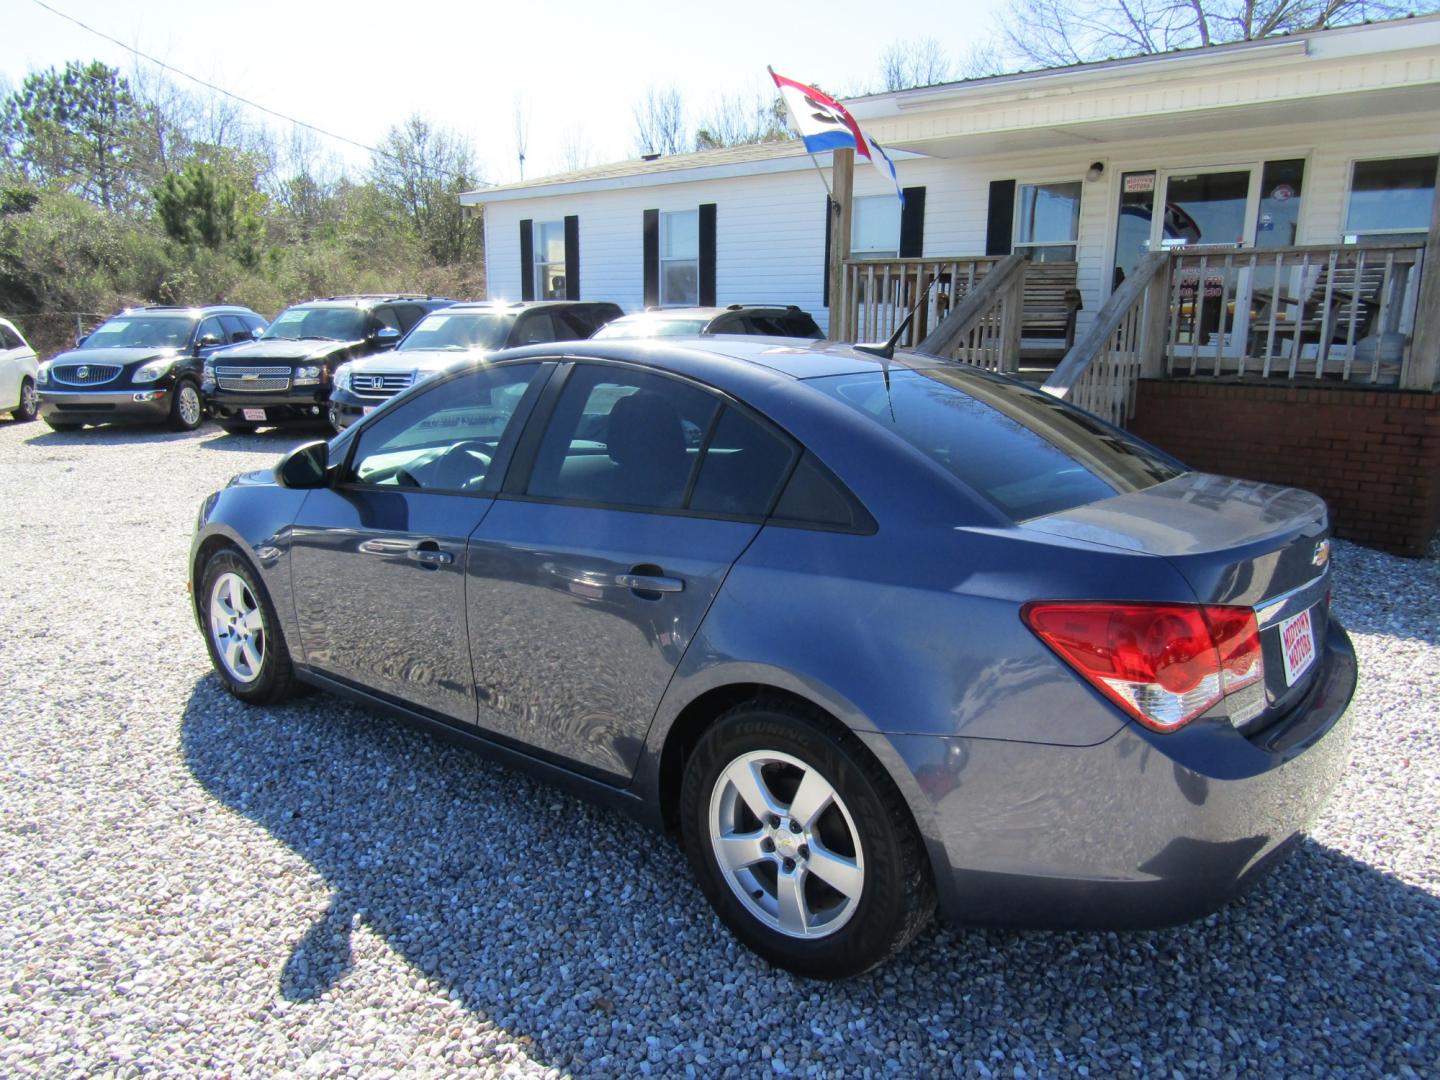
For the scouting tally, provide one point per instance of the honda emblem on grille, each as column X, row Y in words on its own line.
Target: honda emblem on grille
column 83, row 371
column 1322, row 553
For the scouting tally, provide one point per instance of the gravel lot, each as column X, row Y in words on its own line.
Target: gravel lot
column 191, row 887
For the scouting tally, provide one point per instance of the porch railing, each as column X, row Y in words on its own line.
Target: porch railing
column 984, row 328
column 879, row 293
column 1346, row 314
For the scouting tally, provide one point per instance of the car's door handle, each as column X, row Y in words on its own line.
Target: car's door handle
column 386, row 547
column 650, row 583
column 426, row 552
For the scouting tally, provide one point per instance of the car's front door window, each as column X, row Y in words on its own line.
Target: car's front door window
column 447, row 438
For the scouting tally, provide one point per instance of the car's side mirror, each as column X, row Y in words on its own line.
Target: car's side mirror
column 387, row 336
column 305, row 466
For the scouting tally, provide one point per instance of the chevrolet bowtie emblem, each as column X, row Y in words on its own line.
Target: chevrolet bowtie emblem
column 249, row 378
column 1322, row 553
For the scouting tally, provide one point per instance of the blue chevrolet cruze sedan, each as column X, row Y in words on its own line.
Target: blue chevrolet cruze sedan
column 870, row 634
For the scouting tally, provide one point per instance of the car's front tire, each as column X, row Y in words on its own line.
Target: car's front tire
column 242, row 632
column 187, row 407
column 29, row 404
column 801, row 842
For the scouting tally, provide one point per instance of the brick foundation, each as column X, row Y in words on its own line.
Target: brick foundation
column 1373, row 454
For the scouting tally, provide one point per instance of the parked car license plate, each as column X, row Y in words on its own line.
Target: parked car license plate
column 254, row 414
column 1297, row 641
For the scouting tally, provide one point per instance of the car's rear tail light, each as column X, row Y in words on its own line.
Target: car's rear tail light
column 1164, row 664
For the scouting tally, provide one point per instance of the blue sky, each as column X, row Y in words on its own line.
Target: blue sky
column 578, row 67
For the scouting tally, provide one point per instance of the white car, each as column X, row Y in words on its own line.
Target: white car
column 18, row 366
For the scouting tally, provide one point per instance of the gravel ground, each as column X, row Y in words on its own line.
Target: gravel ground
column 191, row 887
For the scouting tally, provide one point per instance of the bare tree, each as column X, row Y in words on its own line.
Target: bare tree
column 1054, row 33
column 419, row 171
column 922, row 62
column 576, row 151
column 522, row 133
column 660, row 122
column 734, row 120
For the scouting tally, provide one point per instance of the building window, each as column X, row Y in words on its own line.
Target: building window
column 550, row 260
column 1047, row 222
column 875, row 227
column 680, row 258
column 1391, row 200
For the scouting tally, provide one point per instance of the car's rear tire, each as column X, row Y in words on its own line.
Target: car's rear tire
column 29, row 404
column 187, row 407
column 831, row 892
column 232, row 428
column 63, row 425
column 242, row 632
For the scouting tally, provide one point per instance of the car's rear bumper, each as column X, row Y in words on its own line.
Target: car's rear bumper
column 104, row 406
column 1121, row 834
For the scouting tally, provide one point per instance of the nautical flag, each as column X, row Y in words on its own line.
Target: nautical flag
column 824, row 124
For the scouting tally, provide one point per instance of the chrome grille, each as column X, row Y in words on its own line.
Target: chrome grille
column 84, row 374
column 381, row 384
column 255, row 380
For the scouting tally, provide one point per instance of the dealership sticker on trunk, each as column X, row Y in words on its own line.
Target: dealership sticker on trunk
column 1297, row 642
column 254, row 414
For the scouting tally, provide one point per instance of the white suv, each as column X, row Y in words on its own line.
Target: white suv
column 18, row 365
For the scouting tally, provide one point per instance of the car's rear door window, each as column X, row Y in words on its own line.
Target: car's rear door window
column 744, row 464
column 447, row 438
column 1025, row 451
column 621, row 437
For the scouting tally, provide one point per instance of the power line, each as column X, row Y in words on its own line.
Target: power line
column 246, row 101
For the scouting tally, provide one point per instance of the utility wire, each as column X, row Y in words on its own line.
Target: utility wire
column 246, row 101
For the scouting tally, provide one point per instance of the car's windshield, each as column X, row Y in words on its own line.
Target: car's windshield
column 333, row 323
column 1027, row 452
column 644, row 328
column 459, row 331
column 141, row 331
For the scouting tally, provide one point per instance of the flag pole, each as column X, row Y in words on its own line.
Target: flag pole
column 813, row 159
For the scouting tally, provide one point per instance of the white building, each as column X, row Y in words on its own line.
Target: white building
column 1315, row 139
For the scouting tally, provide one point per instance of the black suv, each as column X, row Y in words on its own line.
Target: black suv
column 441, row 336
column 285, row 376
column 142, row 364
column 769, row 320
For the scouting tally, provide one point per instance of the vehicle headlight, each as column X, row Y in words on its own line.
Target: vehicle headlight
column 207, row 372
column 342, row 377
column 43, row 375
column 307, row 376
column 153, row 370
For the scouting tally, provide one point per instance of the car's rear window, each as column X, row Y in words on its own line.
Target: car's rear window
column 1027, row 452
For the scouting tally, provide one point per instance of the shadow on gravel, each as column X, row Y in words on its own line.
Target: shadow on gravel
column 569, row 925
column 115, row 435
column 250, row 441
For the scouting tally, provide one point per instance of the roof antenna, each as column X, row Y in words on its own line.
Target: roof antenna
column 887, row 350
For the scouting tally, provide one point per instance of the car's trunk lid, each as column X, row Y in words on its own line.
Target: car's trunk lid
column 1236, row 542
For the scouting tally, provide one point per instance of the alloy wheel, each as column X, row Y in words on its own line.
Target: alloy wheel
column 189, row 405
column 29, row 399
column 786, row 844
column 237, row 626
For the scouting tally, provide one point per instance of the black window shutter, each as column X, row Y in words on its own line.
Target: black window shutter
column 572, row 257
column 912, row 224
column 527, row 260
column 1002, row 217
column 652, row 258
column 829, row 217
column 707, row 254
